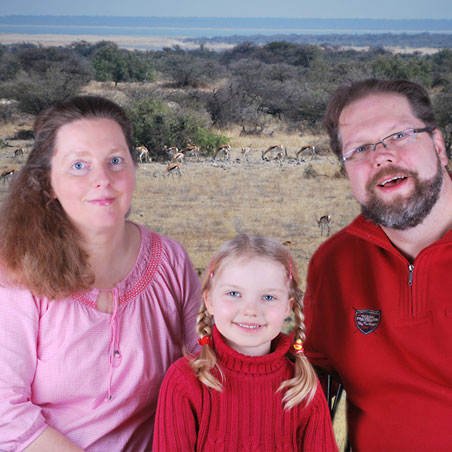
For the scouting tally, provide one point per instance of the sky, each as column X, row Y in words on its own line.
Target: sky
column 324, row 9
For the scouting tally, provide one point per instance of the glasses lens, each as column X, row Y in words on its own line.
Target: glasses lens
column 401, row 139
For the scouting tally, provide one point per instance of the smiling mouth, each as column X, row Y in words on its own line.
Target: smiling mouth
column 103, row 202
column 393, row 181
column 250, row 326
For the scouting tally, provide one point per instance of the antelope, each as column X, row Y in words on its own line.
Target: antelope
column 171, row 151
column 245, row 152
column 179, row 157
column 305, row 150
column 143, row 155
column 276, row 153
column 223, row 150
column 7, row 174
column 324, row 225
column 18, row 152
column 191, row 151
column 174, row 168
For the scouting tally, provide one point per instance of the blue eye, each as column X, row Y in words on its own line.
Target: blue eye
column 116, row 160
column 399, row 136
column 363, row 148
column 78, row 165
column 269, row 298
column 233, row 293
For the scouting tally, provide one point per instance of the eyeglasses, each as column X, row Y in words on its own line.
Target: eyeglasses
column 395, row 140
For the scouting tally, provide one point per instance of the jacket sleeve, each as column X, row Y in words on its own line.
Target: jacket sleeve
column 21, row 422
column 317, row 435
column 175, row 427
column 314, row 319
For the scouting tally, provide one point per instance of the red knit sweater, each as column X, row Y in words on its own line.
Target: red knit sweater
column 247, row 415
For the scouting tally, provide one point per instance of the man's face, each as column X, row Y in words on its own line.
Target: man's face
column 396, row 187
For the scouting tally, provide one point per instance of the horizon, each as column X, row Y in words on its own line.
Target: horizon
column 301, row 9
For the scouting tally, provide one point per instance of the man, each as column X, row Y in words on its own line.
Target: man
column 379, row 294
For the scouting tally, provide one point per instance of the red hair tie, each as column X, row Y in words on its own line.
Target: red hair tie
column 290, row 268
column 205, row 340
column 212, row 262
column 298, row 346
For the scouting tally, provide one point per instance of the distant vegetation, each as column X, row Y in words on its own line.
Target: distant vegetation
column 179, row 97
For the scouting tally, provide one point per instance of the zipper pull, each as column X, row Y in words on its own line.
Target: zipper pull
column 410, row 276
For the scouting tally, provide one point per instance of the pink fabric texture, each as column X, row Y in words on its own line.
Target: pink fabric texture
column 94, row 376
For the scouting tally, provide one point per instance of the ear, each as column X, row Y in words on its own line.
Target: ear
column 207, row 302
column 440, row 146
column 290, row 306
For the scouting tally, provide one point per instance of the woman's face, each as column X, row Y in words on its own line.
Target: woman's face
column 93, row 174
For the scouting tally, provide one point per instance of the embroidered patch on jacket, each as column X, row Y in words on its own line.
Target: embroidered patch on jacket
column 367, row 320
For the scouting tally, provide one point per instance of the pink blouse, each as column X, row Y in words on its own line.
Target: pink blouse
column 94, row 376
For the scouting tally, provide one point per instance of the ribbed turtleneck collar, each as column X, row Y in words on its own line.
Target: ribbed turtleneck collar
column 256, row 365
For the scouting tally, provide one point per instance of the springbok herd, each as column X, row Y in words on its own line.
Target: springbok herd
column 275, row 153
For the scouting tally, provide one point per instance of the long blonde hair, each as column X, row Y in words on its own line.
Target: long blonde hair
column 304, row 382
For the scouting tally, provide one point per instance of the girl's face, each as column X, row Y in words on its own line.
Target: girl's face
column 249, row 301
column 93, row 174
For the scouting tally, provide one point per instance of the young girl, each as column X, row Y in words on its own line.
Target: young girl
column 242, row 392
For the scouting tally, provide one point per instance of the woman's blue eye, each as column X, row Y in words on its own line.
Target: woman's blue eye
column 78, row 165
column 233, row 293
column 116, row 160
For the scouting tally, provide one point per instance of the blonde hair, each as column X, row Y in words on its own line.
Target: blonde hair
column 302, row 386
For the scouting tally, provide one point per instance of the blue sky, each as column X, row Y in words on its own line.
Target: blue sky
column 378, row 9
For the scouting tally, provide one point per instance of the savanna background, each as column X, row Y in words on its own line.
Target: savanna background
column 249, row 94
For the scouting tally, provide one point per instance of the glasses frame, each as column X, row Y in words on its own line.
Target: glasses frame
column 348, row 156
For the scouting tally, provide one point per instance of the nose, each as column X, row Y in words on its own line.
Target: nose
column 250, row 308
column 100, row 176
column 382, row 155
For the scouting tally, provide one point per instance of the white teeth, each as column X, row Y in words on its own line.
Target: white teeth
column 391, row 180
column 251, row 327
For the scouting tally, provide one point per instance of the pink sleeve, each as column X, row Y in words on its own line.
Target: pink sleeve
column 175, row 421
column 21, row 422
column 318, row 435
column 189, row 288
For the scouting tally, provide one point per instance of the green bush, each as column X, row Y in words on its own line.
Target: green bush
column 157, row 125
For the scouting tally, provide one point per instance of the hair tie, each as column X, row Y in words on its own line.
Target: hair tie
column 290, row 268
column 298, row 346
column 205, row 340
column 212, row 262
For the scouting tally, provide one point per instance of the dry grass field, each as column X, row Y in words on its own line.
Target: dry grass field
column 212, row 201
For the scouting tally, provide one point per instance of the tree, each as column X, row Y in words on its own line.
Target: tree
column 156, row 125
column 36, row 92
column 118, row 65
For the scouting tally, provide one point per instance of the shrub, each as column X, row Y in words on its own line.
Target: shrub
column 157, row 126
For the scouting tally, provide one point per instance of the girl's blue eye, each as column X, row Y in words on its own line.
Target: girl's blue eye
column 78, row 165
column 269, row 298
column 233, row 293
column 116, row 160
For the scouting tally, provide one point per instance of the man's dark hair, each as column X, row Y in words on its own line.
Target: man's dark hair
column 350, row 92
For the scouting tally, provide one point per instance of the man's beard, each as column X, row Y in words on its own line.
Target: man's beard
column 403, row 212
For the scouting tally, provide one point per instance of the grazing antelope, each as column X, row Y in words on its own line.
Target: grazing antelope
column 223, row 151
column 310, row 148
column 171, row 151
column 18, row 152
column 191, row 151
column 324, row 225
column 143, row 154
column 174, row 168
column 179, row 157
column 245, row 152
column 7, row 174
column 276, row 153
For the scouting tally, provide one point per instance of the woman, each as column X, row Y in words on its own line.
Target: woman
column 93, row 308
